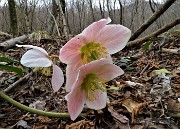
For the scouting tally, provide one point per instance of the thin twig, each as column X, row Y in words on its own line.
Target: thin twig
column 18, row 121
column 17, row 82
column 144, row 69
column 174, row 51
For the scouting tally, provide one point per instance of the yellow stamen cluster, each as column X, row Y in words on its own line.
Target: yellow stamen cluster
column 90, row 84
column 54, row 58
column 92, row 51
column 45, row 70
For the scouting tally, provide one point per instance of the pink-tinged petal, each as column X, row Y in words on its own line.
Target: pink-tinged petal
column 71, row 75
column 94, row 66
column 109, row 72
column 57, row 78
column 35, row 58
column 70, row 52
column 99, row 102
column 76, row 100
column 34, row 47
column 103, row 68
column 92, row 30
column 113, row 37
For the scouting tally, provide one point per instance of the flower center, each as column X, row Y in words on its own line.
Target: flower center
column 90, row 84
column 92, row 51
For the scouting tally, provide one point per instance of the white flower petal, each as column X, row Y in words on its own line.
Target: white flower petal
column 35, row 58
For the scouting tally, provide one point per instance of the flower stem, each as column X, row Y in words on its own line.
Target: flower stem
column 35, row 111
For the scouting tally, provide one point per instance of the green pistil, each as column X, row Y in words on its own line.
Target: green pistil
column 90, row 84
column 92, row 51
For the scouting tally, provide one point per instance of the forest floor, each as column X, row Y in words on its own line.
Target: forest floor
column 146, row 96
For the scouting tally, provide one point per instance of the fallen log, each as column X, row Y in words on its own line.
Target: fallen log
column 12, row 42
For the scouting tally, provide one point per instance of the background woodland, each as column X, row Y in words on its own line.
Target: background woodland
column 72, row 16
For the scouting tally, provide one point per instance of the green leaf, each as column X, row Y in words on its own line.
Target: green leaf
column 146, row 45
column 129, row 68
column 121, row 64
column 8, row 60
column 162, row 71
column 12, row 69
column 125, row 60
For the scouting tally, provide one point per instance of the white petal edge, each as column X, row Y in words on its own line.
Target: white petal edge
column 33, row 47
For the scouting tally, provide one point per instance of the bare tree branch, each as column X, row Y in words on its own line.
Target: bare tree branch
column 156, row 33
column 54, row 19
column 158, row 13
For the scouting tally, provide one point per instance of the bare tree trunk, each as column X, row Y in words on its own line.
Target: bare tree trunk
column 67, row 20
column 109, row 10
column 150, row 4
column 62, row 10
column 26, row 14
column 73, row 18
column 55, row 14
column 100, row 7
column 153, row 10
column 133, row 14
column 80, row 9
column 92, row 10
column 156, row 33
column 13, row 17
column 120, row 12
column 114, row 10
column 32, row 14
column 158, row 13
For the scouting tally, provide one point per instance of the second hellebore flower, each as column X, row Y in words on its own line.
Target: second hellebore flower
column 38, row 57
column 97, row 41
column 89, row 87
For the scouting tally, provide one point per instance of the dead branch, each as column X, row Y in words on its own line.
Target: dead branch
column 174, row 51
column 12, row 42
column 55, row 22
column 156, row 15
column 17, row 82
column 54, row 19
column 154, row 34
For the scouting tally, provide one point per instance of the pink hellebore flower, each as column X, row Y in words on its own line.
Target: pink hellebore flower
column 97, row 41
column 89, row 87
column 38, row 57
